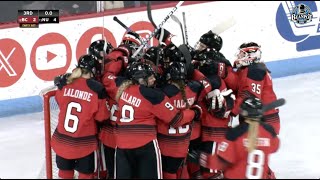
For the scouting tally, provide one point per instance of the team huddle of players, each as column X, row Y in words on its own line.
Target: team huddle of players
column 166, row 113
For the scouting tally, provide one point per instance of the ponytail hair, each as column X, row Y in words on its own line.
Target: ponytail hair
column 76, row 73
column 125, row 85
column 181, row 86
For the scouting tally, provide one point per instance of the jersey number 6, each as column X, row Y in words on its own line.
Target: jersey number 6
column 70, row 117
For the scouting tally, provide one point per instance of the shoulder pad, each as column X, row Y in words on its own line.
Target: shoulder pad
column 234, row 133
column 153, row 95
column 257, row 72
column 119, row 80
column 97, row 87
column 170, row 90
column 215, row 81
column 195, row 86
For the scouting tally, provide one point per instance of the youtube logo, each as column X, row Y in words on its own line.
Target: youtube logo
column 50, row 56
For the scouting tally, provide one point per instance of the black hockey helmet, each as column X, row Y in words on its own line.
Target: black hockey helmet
column 99, row 47
column 151, row 54
column 88, row 62
column 210, row 40
column 139, row 72
column 176, row 71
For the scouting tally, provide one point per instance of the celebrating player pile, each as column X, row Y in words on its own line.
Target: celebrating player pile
column 166, row 111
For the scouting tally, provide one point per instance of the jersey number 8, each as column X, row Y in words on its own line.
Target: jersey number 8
column 255, row 164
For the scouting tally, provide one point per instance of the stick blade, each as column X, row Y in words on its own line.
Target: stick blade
column 224, row 25
column 274, row 104
column 175, row 18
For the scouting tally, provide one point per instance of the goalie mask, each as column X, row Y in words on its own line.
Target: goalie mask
column 132, row 41
column 248, row 54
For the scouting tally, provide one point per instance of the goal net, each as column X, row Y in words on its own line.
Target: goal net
column 49, row 169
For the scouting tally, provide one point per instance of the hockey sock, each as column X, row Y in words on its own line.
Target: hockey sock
column 85, row 176
column 167, row 175
column 66, row 174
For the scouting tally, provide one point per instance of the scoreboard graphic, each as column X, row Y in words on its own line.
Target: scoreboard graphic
column 32, row 18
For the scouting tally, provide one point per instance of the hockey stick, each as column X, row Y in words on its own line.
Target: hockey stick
column 105, row 43
column 127, row 28
column 158, row 28
column 176, row 19
column 223, row 26
column 185, row 28
column 274, row 104
column 150, row 15
column 187, row 56
column 161, row 34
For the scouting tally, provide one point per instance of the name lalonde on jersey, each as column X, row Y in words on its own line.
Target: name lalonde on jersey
column 83, row 95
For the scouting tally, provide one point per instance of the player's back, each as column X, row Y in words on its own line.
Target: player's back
column 79, row 104
column 174, row 142
column 253, row 165
column 137, row 125
column 256, row 80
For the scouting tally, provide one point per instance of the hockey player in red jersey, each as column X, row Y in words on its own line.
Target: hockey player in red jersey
column 123, row 52
column 218, row 105
column 244, row 153
column 100, row 49
column 212, row 42
column 174, row 142
column 115, row 62
column 139, row 106
column 255, row 80
column 82, row 102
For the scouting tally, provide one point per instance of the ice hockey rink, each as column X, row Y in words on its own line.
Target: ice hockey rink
column 22, row 136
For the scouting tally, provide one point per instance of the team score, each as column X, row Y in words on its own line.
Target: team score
column 71, row 121
column 256, row 88
column 255, row 164
column 180, row 130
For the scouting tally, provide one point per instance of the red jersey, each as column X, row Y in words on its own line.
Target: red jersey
column 232, row 79
column 111, row 84
column 256, row 80
column 81, row 103
column 174, row 142
column 214, row 128
column 245, row 165
column 139, row 107
column 107, row 132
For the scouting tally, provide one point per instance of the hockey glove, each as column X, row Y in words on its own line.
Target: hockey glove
column 166, row 39
column 221, row 103
column 251, row 107
column 61, row 80
column 197, row 111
